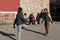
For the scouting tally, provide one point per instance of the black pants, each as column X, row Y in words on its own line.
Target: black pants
column 38, row 21
column 32, row 22
column 47, row 23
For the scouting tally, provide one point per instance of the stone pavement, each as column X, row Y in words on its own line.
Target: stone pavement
column 33, row 32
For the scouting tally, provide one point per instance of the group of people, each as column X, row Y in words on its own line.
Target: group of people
column 39, row 18
column 21, row 21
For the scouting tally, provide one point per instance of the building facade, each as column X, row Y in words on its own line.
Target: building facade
column 8, row 9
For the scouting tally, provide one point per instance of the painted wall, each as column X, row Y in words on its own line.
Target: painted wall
column 8, row 9
column 9, row 5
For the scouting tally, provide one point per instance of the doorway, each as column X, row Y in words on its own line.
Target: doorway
column 54, row 9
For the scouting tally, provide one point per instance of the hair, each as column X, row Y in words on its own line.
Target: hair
column 20, row 9
column 38, row 13
column 45, row 9
column 25, row 14
column 42, row 10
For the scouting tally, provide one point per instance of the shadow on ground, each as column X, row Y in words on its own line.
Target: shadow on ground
column 33, row 31
column 7, row 35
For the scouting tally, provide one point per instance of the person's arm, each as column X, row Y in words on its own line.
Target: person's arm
column 22, row 18
column 14, row 23
column 50, row 16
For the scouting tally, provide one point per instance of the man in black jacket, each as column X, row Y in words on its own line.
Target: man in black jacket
column 19, row 21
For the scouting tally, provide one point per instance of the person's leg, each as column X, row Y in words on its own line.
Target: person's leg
column 46, row 27
column 19, row 32
column 24, row 25
column 30, row 22
column 37, row 22
column 34, row 22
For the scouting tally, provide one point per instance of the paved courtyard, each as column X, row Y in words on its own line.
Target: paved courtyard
column 33, row 32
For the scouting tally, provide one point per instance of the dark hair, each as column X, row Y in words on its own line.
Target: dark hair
column 42, row 10
column 25, row 14
column 38, row 13
column 20, row 9
column 45, row 9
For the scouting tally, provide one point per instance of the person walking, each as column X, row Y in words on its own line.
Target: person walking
column 47, row 19
column 20, row 22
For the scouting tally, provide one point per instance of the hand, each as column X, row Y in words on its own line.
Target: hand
column 13, row 26
column 41, row 22
column 51, row 22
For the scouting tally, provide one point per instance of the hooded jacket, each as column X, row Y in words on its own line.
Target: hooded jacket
column 19, row 19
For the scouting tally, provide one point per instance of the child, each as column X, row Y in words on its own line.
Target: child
column 33, row 20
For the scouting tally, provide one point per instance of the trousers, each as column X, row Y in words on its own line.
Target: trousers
column 19, row 31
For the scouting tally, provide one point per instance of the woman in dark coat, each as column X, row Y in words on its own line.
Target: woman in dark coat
column 38, row 18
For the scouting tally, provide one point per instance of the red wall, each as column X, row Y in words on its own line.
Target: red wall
column 9, row 5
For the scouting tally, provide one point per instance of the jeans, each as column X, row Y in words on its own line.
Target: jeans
column 19, row 31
